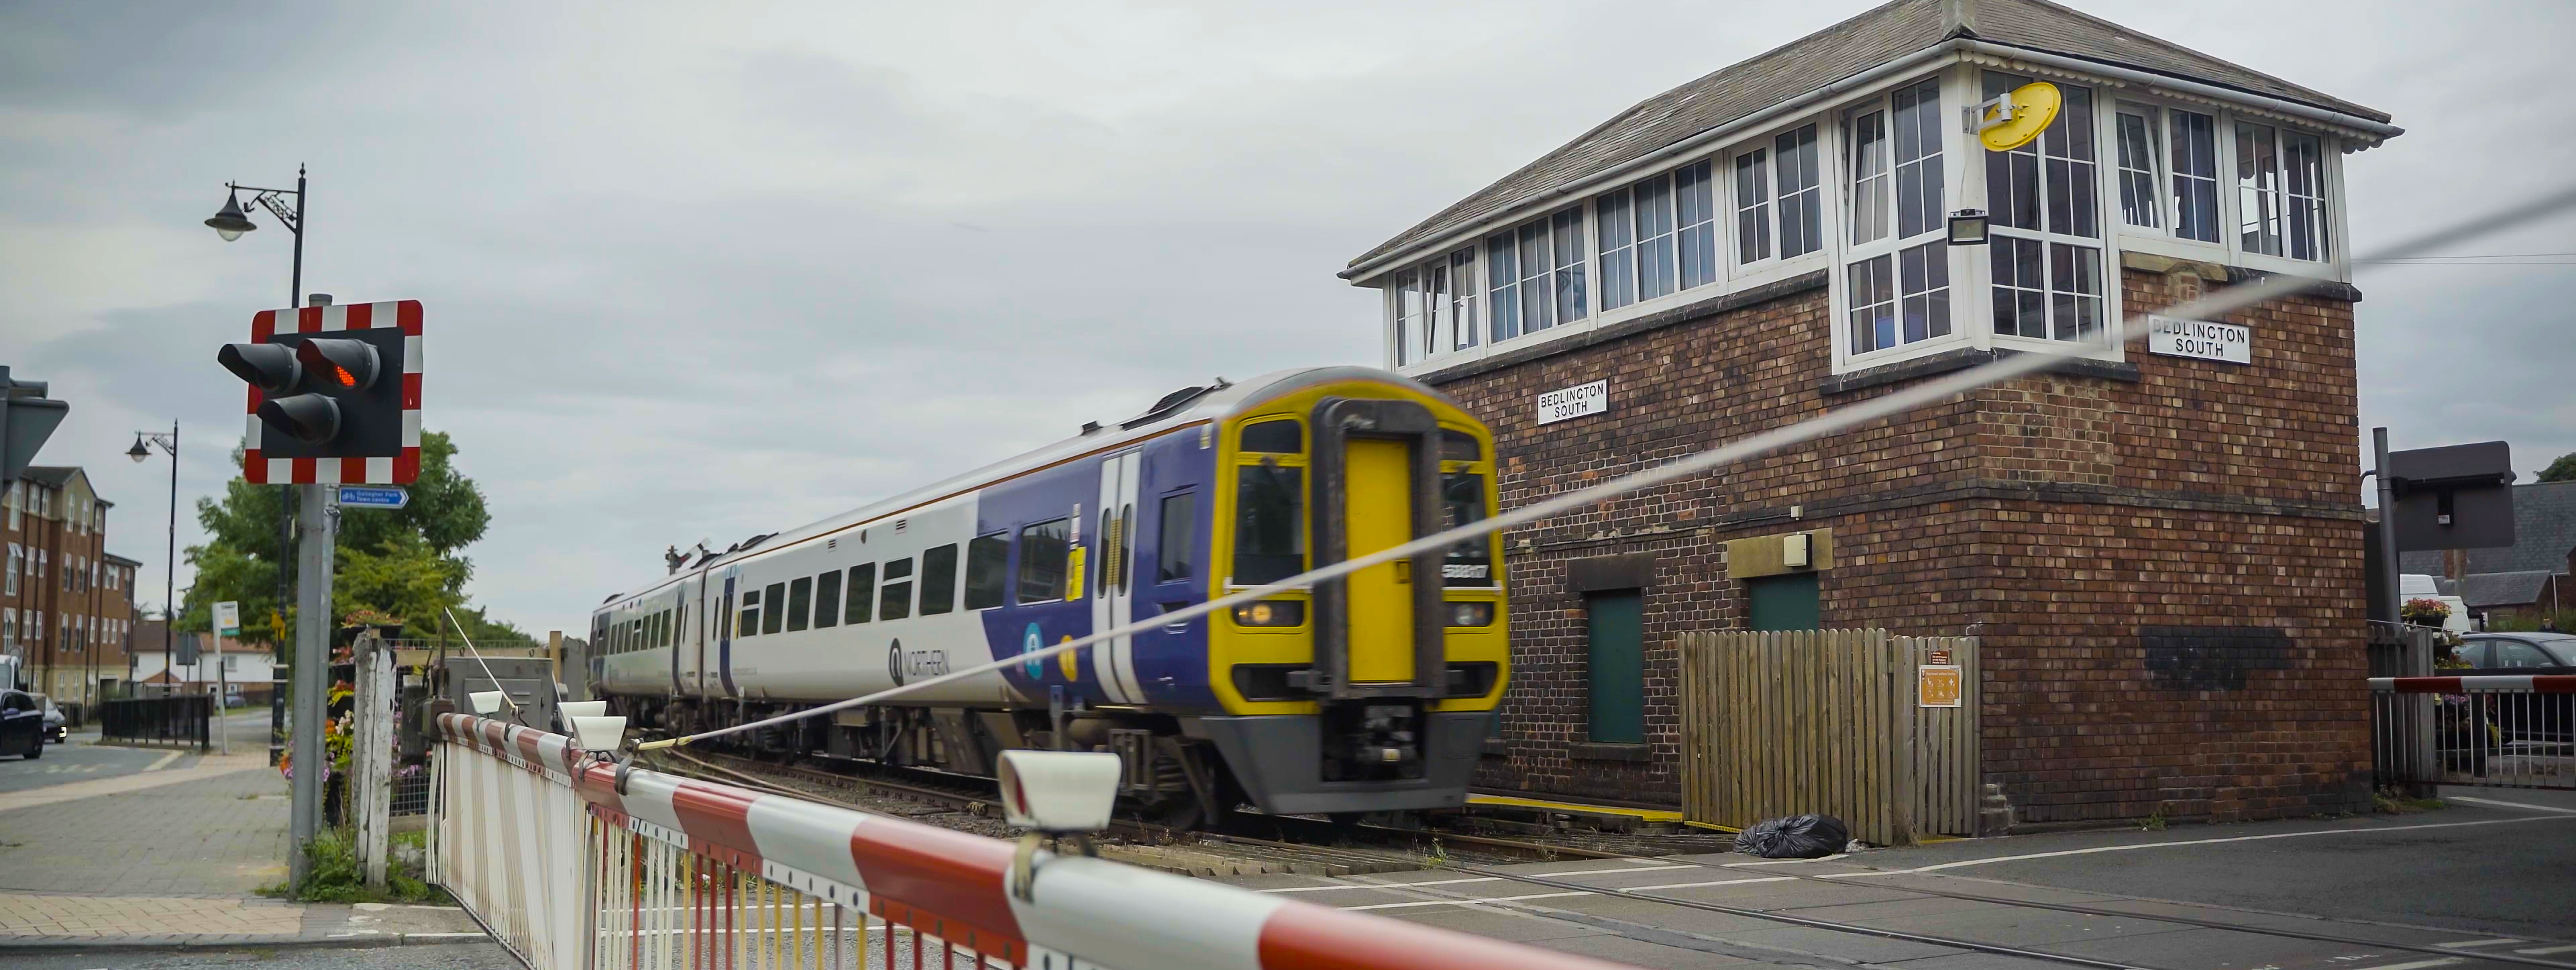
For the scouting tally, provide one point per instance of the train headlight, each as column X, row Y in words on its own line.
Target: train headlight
column 1270, row 613
column 1471, row 614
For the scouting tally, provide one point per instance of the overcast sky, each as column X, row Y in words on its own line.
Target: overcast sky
column 705, row 270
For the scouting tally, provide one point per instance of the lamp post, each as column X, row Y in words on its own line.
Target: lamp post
column 141, row 452
column 308, row 667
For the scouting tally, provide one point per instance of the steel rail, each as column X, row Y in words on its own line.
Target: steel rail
column 2097, row 911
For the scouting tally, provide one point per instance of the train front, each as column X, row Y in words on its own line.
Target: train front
column 1374, row 692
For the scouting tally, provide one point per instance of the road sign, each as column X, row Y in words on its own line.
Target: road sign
column 2453, row 497
column 334, row 394
column 374, row 496
column 228, row 618
column 27, row 418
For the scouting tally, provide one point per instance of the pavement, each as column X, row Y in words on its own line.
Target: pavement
column 2429, row 889
column 106, row 847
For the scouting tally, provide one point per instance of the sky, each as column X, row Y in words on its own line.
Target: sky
column 701, row 271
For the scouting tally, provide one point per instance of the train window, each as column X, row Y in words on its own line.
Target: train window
column 939, row 579
column 1044, row 549
column 1269, row 523
column 774, row 619
column 988, row 562
column 1282, row 436
column 800, row 602
column 662, row 629
column 863, row 590
column 894, row 599
column 1177, row 545
column 750, row 625
column 827, row 599
column 724, row 613
column 1462, row 501
column 1459, row 446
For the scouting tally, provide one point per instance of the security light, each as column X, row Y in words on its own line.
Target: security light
column 1968, row 227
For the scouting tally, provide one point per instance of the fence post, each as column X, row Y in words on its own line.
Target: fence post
column 371, row 759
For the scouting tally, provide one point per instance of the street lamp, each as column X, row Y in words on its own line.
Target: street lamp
column 141, row 452
column 230, row 222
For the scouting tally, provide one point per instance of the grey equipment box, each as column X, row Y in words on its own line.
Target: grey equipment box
column 527, row 679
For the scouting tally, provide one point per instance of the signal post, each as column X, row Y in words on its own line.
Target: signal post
column 334, row 398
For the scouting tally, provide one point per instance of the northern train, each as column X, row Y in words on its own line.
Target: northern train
column 1371, row 693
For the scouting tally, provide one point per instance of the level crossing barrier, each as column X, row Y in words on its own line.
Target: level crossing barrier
column 181, row 718
column 2497, row 731
column 573, row 862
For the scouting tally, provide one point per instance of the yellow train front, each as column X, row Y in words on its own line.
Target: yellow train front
column 1370, row 693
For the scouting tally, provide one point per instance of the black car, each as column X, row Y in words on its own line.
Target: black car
column 2524, row 717
column 22, row 724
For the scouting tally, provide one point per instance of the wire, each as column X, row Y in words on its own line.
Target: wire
column 1929, row 392
column 2393, row 259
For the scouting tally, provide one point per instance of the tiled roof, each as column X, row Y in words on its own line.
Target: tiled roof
column 2502, row 589
column 1875, row 37
column 2544, row 527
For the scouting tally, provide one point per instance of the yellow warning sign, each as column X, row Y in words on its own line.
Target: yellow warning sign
column 2012, row 120
column 1938, row 685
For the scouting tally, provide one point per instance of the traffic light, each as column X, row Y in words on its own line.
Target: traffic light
column 337, row 398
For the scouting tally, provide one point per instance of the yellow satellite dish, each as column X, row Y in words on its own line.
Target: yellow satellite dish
column 2012, row 120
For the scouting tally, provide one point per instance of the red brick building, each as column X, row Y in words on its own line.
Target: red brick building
column 66, row 603
column 2160, row 546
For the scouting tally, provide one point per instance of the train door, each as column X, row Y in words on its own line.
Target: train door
column 1114, row 545
column 724, row 633
column 676, row 633
column 1377, row 509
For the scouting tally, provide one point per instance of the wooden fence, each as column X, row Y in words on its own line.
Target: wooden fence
column 1830, row 722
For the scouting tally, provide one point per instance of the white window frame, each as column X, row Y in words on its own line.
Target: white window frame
column 2229, row 248
column 1890, row 242
column 1449, row 326
column 1772, row 266
column 1580, row 226
column 2106, row 224
column 17, row 563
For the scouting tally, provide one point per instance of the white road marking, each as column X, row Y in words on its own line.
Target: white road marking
column 2520, row 805
column 1377, row 885
column 166, row 758
column 2241, row 838
column 1467, row 902
column 2545, row 950
column 1787, row 862
column 2417, row 965
column 2463, row 944
column 1695, row 885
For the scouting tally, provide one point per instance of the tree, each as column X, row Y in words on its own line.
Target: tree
column 2562, row 470
column 402, row 564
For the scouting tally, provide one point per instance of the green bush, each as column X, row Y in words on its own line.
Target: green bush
column 336, row 876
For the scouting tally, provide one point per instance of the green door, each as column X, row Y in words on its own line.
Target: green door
column 1783, row 602
column 1616, row 622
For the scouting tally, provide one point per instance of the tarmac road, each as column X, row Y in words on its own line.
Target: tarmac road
column 83, row 758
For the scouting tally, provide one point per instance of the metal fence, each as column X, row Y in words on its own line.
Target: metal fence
column 183, row 718
column 2503, row 732
column 573, row 863
column 1876, row 729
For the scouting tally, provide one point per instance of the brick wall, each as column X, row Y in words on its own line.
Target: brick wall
column 2059, row 516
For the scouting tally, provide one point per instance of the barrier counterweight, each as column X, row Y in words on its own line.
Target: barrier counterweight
column 571, row 866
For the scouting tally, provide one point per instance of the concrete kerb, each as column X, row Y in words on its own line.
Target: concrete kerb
column 217, row 941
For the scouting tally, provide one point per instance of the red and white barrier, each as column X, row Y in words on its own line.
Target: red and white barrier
column 956, row 887
column 2501, row 683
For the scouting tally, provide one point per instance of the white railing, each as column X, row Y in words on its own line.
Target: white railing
column 2504, row 731
column 571, row 866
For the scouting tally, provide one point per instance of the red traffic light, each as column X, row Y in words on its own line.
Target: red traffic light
column 339, row 365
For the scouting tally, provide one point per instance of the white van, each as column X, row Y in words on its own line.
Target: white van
column 2421, row 586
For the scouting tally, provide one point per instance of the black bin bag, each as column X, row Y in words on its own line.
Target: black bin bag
column 1795, row 837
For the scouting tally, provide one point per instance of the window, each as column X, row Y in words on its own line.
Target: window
column 1898, row 296
column 776, row 618
column 1412, row 318
column 863, row 588
column 9, row 627
column 1045, row 551
column 1753, row 206
column 1435, row 307
column 2195, row 175
column 1269, row 523
column 1462, row 502
column 2515, row 653
column 1176, row 539
column 1536, row 274
column 827, row 600
column 1657, row 237
column 2046, row 260
column 1456, row 328
column 894, row 600
column 988, row 566
column 1283, row 437
column 2280, row 182
column 2137, row 133
column 800, row 603
column 1780, row 180
column 939, row 579
column 17, row 561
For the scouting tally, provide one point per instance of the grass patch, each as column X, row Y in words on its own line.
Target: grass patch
column 2389, row 801
column 336, row 876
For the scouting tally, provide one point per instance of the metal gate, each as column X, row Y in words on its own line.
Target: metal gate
column 2501, row 732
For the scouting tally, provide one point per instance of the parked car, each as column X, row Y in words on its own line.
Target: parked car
column 56, row 731
column 22, row 724
column 2533, row 717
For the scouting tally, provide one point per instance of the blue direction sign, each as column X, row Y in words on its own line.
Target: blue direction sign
column 374, row 496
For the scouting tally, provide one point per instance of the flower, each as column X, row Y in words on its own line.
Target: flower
column 2424, row 611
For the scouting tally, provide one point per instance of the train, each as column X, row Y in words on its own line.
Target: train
column 1372, row 693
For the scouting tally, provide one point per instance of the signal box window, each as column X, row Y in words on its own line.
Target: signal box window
column 988, row 562
column 894, row 600
column 1277, row 437
column 776, row 617
column 1044, row 550
column 1269, row 523
column 1176, row 548
column 750, row 625
column 939, row 579
column 800, row 603
column 863, row 589
column 827, row 599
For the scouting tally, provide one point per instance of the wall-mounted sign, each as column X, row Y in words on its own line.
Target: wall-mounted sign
column 1574, row 402
column 2200, row 338
column 1938, row 685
